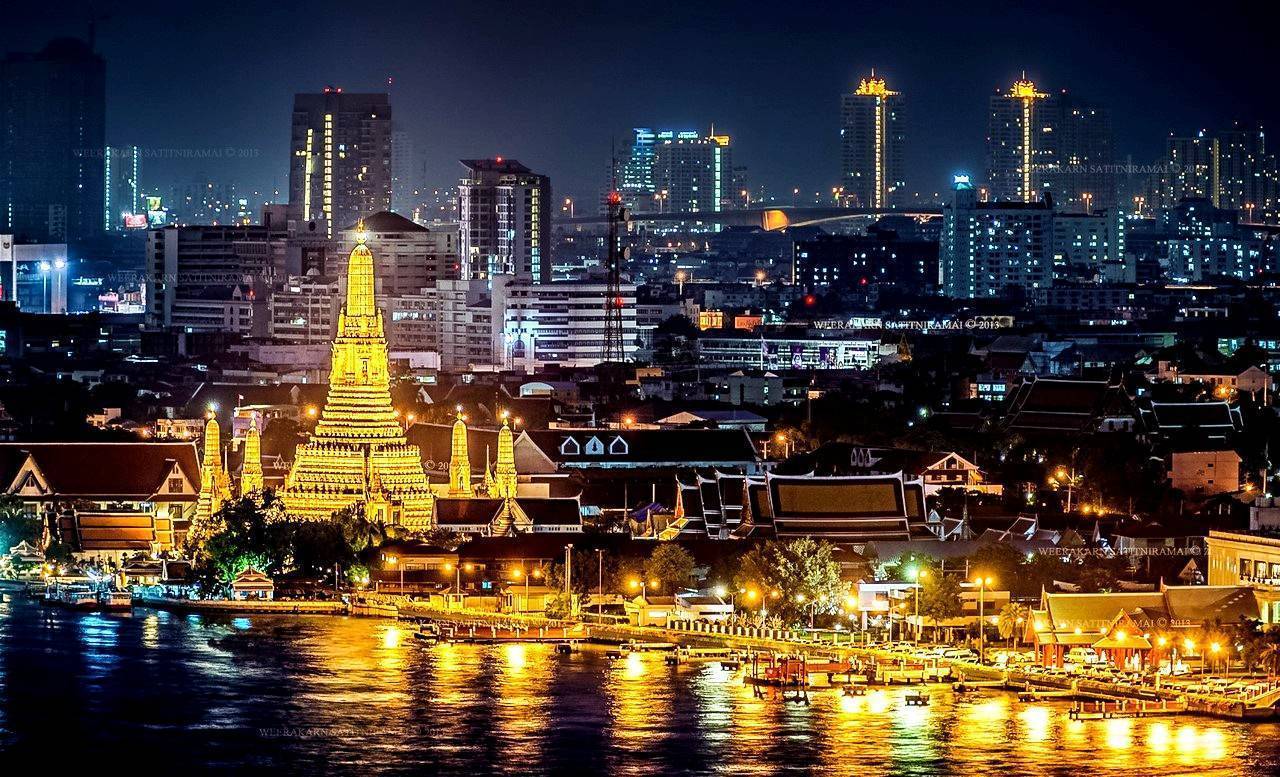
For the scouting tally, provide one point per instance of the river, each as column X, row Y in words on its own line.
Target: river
column 162, row 691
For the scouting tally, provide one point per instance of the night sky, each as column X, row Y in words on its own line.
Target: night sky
column 551, row 83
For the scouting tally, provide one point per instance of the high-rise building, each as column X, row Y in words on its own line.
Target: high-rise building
column 406, row 172
column 1040, row 143
column 340, row 157
column 1189, row 170
column 692, row 172
column 1020, row 146
column 1085, row 177
column 504, row 220
column 636, row 176
column 562, row 323
column 990, row 248
column 1248, row 175
column 122, row 207
column 872, row 144
column 52, row 136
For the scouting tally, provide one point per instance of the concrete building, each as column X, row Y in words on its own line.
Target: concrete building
column 692, row 172
column 505, row 220
column 194, row 263
column 559, row 323
column 409, row 256
column 305, row 309
column 872, row 145
column 340, row 157
column 990, row 248
column 52, row 137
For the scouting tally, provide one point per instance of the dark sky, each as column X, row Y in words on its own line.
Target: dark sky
column 550, row 83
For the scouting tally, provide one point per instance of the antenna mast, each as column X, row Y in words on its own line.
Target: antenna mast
column 613, row 350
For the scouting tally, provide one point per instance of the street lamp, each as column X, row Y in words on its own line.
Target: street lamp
column 983, row 584
column 1063, row 475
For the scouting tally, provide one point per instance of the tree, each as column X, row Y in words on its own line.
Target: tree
column 16, row 525
column 671, row 565
column 1011, row 620
column 940, row 600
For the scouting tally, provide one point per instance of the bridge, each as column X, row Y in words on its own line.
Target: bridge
column 769, row 219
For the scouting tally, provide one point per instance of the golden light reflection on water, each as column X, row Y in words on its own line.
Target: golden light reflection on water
column 524, row 708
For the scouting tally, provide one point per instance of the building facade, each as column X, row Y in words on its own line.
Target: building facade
column 504, row 220
column 991, row 248
column 52, row 140
column 872, row 145
column 340, row 157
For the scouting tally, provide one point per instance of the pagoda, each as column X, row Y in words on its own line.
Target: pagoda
column 358, row 453
column 251, row 469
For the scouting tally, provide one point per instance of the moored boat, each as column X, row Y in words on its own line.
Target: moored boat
column 115, row 600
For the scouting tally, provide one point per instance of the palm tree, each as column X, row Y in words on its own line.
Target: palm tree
column 1269, row 653
column 1012, row 616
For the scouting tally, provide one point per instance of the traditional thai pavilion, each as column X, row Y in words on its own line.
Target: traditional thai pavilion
column 358, row 453
column 853, row 510
column 106, row 500
column 1134, row 629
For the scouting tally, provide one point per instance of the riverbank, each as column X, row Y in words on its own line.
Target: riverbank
column 243, row 606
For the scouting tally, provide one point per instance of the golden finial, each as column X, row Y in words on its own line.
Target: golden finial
column 361, row 235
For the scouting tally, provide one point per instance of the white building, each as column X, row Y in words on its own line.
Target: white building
column 988, row 248
column 556, row 323
column 505, row 220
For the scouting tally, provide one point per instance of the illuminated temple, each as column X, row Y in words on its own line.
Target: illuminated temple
column 358, row 453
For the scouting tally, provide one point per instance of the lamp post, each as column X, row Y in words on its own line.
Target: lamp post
column 1062, row 474
column 599, row 580
column 983, row 584
column 917, row 575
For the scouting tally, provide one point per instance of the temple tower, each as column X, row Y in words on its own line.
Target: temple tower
column 214, row 485
column 460, row 461
column 251, row 468
column 358, row 453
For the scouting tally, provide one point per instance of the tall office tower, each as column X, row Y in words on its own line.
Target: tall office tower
column 1020, row 142
column 872, row 143
column 340, row 157
column 122, row 206
column 991, row 248
column 1248, row 175
column 636, row 174
column 1084, row 179
column 505, row 220
column 405, row 173
column 692, row 172
column 52, row 119
column 1189, row 170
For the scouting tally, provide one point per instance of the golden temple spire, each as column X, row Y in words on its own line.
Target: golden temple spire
column 460, row 460
column 505, row 476
column 360, row 299
column 251, row 468
column 214, row 486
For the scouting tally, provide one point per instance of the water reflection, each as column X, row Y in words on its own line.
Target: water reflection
column 291, row 692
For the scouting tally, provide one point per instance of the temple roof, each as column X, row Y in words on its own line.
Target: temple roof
column 125, row 470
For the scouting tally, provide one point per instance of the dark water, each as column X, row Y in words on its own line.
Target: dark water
column 163, row 692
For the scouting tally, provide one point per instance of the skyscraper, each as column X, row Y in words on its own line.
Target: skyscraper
column 340, row 160
column 692, row 172
column 1020, row 145
column 872, row 140
column 1189, row 170
column 1084, row 178
column 122, row 196
column 505, row 220
column 1248, row 175
column 52, row 133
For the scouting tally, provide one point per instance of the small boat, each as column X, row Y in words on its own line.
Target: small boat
column 854, row 689
column 614, row 654
column 79, row 598
column 429, row 632
column 730, row 665
column 115, row 600
column 916, row 699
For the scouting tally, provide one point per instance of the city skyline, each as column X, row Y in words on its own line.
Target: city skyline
column 561, row 114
